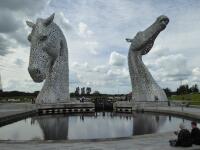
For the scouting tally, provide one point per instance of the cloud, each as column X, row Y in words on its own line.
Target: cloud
column 92, row 46
column 79, row 36
column 19, row 62
column 196, row 71
column 4, row 45
column 120, row 73
column 84, row 30
column 13, row 31
column 62, row 21
column 81, row 66
column 20, row 85
column 174, row 65
column 101, row 69
column 117, row 59
column 88, row 39
column 30, row 7
column 196, row 74
column 9, row 23
column 102, row 77
column 171, row 67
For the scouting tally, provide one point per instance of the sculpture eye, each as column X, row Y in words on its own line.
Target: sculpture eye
column 29, row 38
column 43, row 38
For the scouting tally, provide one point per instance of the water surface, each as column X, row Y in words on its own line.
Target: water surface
column 100, row 125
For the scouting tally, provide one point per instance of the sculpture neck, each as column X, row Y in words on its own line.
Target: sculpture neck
column 141, row 78
column 57, row 73
column 56, row 87
column 138, row 69
column 144, row 87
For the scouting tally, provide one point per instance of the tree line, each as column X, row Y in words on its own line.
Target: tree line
column 87, row 91
column 17, row 93
column 182, row 89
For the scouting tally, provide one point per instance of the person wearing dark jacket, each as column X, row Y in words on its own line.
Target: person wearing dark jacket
column 184, row 138
column 195, row 133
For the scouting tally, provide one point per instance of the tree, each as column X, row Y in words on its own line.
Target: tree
column 183, row 89
column 77, row 91
column 194, row 89
column 96, row 93
column 168, row 92
column 83, row 91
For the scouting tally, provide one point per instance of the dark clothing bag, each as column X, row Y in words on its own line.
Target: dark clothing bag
column 195, row 135
column 184, row 139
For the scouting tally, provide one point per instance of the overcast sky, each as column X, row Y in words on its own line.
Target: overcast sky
column 95, row 31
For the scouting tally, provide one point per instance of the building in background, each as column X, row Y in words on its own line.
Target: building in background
column 83, row 91
column 88, row 90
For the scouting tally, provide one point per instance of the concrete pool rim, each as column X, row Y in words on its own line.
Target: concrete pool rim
column 84, row 140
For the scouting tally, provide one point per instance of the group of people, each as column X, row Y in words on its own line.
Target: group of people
column 82, row 99
column 185, row 137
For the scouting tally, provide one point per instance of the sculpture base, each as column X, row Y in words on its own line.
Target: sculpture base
column 123, row 107
column 66, row 108
column 142, row 104
column 126, row 106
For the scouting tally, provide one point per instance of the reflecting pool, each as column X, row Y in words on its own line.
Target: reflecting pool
column 98, row 125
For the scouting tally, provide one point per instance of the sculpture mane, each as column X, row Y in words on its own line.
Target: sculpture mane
column 49, row 60
column 144, row 87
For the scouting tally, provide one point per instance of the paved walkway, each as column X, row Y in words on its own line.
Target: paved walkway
column 185, row 111
column 144, row 142
column 10, row 108
column 180, row 109
column 10, row 112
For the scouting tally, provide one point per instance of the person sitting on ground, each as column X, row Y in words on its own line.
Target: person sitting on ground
column 184, row 137
column 195, row 133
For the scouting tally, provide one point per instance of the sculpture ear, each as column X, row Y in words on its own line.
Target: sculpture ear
column 30, row 24
column 49, row 20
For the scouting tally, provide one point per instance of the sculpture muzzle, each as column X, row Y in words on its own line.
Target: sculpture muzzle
column 143, row 41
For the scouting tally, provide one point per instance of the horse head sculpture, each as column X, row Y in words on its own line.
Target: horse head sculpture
column 144, row 87
column 49, row 60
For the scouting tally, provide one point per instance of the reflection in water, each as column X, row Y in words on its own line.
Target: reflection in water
column 53, row 127
column 82, row 117
column 170, row 118
column 147, row 124
column 99, row 125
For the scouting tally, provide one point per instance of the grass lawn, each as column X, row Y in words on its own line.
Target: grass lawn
column 20, row 99
column 194, row 98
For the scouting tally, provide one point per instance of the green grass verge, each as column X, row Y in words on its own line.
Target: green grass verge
column 21, row 99
column 193, row 98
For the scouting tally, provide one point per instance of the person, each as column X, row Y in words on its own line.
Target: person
column 82, row 99
column 195, row 133
column 184, row 137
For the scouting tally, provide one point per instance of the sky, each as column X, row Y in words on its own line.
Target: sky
column 95, row 31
